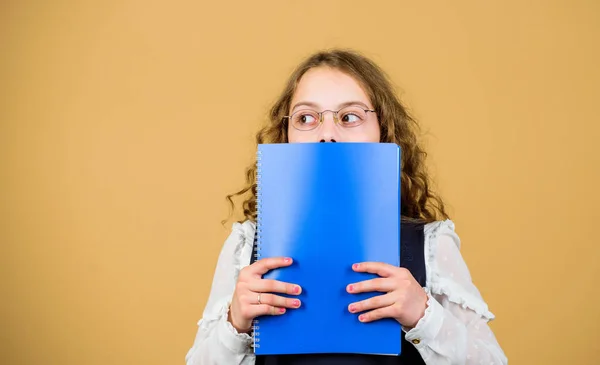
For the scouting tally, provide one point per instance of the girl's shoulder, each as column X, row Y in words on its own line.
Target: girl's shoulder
column 433, row 229
column 447, row 272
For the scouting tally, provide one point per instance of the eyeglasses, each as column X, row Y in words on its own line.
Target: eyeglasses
column 348, row 117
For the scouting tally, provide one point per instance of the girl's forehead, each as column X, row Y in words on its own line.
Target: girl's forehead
column 328, row 88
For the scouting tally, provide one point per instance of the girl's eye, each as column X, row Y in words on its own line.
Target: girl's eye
column 305, row 119
column 350, row 118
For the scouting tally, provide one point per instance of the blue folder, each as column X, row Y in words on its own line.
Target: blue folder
column 328, row 206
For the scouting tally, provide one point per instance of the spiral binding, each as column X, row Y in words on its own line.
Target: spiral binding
column 257, row 241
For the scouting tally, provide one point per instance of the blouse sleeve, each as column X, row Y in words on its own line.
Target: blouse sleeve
column 454, row 329
column 217, row 342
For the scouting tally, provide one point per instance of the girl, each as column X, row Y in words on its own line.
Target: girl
column 341, row 96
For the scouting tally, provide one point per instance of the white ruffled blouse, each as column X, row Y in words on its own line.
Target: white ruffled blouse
column 454, row 329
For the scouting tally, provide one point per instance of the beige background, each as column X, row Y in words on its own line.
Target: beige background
column 125, row 123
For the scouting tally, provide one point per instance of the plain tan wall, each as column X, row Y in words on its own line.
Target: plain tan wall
column 125, row 123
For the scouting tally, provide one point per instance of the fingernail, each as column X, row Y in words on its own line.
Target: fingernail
column 287, row 260
column 355, row 266
column 281, row 310
column 296, row 302
column 352, row 307
column 350, row 287
column 361, row 317
column 296, row 289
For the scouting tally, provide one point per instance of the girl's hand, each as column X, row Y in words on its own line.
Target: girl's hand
column 405, row 300
column 252, row 298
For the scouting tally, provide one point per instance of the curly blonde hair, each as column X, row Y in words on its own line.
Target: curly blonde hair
column 418, row 202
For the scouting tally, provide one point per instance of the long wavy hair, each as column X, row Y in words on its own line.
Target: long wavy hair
column 418, row 202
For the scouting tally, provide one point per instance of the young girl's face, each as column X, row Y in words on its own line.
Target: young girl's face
column 324, row 88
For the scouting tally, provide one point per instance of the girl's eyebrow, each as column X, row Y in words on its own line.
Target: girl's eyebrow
column 342, row 105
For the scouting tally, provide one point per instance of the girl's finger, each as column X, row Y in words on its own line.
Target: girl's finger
column 378, row 268
column 379, row 301
column 263, row 266
column 273, row 286
column 265, row 310
column 277, row 301
column 383, row 285
column 379, row 313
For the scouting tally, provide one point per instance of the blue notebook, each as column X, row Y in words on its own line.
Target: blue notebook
column 327, row 205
